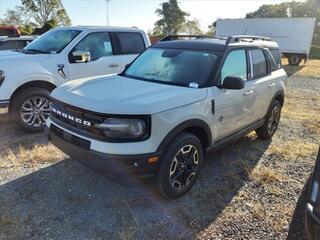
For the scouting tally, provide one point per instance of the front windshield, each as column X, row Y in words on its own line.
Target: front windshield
column 173, row 66
column 53, row 41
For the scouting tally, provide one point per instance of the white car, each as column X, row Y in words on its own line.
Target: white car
column 29, row 75
column 176, row 100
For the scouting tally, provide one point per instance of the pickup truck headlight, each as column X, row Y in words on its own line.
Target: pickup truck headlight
column 2, row 77
column 124, row 128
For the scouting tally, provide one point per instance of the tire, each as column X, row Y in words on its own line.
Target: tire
column 294, row 60
column 270, row 126
column 33, row 104
column 180, row 166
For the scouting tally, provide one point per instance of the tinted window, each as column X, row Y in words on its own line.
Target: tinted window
column 7, row 32
column 235, row 65
column 173, row 66
column 98, row 44
column 8, row 45
column 259, row 63
column 277, row 56
column 272, row 62
column 130, row 43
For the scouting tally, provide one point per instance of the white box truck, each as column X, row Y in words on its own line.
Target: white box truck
column 293, row 35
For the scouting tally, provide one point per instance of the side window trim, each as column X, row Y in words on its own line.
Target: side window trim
column 83, row 37
column 251, row 63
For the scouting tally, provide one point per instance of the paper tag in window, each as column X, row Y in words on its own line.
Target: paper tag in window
column 193, row 85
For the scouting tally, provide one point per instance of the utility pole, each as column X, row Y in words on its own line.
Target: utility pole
column 107, row 2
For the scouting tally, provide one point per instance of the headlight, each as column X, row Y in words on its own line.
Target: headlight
column 123, row 128
column 2, row 77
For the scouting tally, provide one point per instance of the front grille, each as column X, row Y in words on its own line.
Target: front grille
column 77, row 119
column 83, row 121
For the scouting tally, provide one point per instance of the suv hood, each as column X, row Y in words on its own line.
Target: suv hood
column 16, row 57
column 121, row 95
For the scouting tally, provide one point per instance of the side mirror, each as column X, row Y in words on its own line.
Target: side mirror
column 234, row 83
column 81, row 56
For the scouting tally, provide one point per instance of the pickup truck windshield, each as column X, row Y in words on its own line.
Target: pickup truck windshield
column 173, row 66
column 52, row 42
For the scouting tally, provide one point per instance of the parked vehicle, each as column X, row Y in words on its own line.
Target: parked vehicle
column 293, row 35
column 313, row 203
column 176, row 100
column 13, row 43
column 60, row 55
column 9, row 31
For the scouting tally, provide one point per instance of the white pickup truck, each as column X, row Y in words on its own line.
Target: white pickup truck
column 65, row 53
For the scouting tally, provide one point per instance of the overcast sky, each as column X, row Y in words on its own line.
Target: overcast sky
column 140, row 13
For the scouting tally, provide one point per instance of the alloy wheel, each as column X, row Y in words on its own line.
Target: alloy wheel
column 274, row 119
column 35, row 111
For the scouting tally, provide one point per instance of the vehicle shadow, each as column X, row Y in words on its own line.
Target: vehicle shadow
column 69, row 201
column 290, row 70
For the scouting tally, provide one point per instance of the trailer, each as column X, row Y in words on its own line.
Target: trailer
column 293, row 35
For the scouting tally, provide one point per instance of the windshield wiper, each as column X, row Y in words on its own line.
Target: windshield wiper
column 36, row 51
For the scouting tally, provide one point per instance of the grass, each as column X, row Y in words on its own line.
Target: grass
column 310, row 69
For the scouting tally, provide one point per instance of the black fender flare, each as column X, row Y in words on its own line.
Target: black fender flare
column 204, row 133
column 279, row 94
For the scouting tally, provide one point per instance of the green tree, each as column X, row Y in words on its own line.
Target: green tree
column 192, row 27
column 172, row 19
column 42, row 11
column 212, row 29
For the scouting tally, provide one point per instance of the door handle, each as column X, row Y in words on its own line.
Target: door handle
column 247, row 93
column 114, row 65
column 271, row 85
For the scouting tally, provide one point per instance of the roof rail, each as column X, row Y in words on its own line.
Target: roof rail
column 239, row 38
column 176, row 37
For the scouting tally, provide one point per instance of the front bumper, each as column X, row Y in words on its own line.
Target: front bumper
column 110, row 164
column 4, row 106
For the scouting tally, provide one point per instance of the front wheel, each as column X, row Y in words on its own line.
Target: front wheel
column 270, row 126
column 180, row 166
column 31, row 108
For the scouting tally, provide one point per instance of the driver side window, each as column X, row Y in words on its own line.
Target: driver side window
column 98, row 44
column 235, row 65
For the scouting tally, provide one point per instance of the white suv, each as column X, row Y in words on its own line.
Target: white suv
column 177, row 99
column 28, row 76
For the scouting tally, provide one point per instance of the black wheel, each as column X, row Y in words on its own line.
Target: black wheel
column 294, row 60
column 270, row 126
column 30, row 108
column 180, row 166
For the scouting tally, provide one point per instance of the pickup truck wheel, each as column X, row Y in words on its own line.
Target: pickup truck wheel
column 31, row 108
column 270, row 126
column 180, row 166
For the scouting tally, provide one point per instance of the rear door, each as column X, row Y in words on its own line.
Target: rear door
column 103, row 60
column 262, row 79
column 128, row 45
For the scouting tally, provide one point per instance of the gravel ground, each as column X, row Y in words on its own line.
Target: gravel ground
column 248, row 190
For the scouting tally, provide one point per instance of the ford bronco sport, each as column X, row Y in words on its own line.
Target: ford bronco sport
column 65, row 53
column 180, row 97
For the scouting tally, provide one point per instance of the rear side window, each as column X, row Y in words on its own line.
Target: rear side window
column 130, row 43
column 258, row 64
column 277, row 56
column 235, row 65
column 272, row 62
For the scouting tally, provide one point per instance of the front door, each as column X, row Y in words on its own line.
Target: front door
column 232, row 107
column 102, row 62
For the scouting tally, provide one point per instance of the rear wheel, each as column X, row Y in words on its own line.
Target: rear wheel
column 270, row 126
column 30, row 108
column 294, row 60
column 180, row 166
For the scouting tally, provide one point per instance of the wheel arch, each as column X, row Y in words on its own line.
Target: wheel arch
column 278, row 96
column 195, row 126
column 36, row 83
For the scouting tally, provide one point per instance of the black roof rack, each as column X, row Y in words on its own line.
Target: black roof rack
column 245, row 38
column 177, row 37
